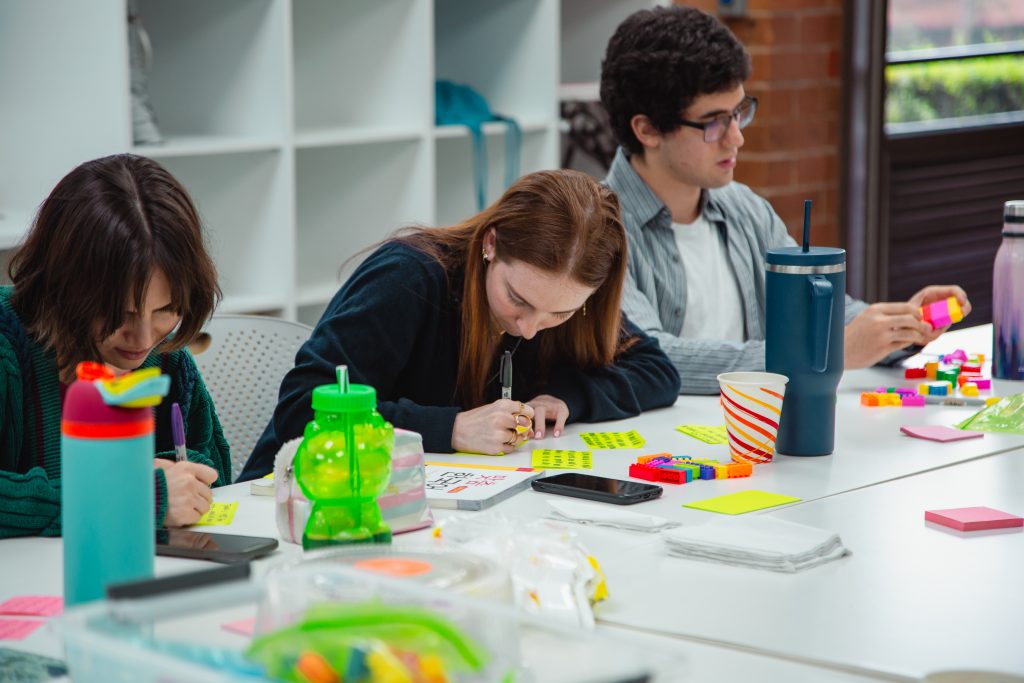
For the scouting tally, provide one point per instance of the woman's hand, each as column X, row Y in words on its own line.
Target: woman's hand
column 549, row 409
column 188, row 491
column 493, row 429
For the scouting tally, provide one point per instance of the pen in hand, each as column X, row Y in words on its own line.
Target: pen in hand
column 178, row 433
column 506, row 375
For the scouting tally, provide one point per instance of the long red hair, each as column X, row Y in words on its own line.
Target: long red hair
column 562, row 222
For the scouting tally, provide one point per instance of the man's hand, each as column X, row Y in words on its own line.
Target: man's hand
column 886, row 327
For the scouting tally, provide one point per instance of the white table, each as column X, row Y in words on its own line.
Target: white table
column 913, row 598
column 729, row 619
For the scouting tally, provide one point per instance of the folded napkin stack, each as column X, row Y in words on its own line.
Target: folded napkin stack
column 758, row 542
column 608, row 515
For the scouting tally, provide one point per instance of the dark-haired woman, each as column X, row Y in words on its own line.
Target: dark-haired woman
column 114, row 269
column 426, row 318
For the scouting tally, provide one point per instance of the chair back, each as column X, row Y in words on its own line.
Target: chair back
column 243, row 363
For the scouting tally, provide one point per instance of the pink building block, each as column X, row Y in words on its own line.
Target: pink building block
column 913, row 401
column 983, row 384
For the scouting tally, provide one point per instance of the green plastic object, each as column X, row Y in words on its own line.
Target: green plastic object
column 347, row 639
column 1006, row 416
column 343, row 464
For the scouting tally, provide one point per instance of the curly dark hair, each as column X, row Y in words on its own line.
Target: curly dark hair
column 660, row 60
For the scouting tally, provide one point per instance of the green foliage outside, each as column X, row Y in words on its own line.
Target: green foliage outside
column 955, row 88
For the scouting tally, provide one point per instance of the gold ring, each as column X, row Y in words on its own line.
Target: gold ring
column 528, row 420
column 512, row 441
column 522, row 407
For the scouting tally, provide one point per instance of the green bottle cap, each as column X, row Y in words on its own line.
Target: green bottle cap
column 358, row 398
column 344, row 397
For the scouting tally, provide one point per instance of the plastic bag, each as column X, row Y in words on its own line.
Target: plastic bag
column 552, row 573
column 1007, row 417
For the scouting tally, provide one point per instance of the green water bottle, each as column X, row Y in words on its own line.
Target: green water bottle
column 343, row 464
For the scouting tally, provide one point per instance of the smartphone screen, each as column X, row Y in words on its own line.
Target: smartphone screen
column 593, row 487
column 216, row 547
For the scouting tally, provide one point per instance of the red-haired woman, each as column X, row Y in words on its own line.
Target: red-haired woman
column 426, row 318
column 114, row 269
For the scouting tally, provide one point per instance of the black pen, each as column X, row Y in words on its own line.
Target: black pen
column 506, row 375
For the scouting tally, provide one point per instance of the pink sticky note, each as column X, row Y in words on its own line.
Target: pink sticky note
column 17, row 629
column 244, row 627
column 33, row 605
column 973, row 519
column 941, row 434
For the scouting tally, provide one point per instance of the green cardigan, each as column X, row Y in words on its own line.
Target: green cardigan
column 30, row 409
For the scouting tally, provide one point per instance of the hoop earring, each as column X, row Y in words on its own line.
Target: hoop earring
column 584, row 310
column 483, row 253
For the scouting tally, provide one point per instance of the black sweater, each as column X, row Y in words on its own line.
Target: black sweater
column 395, row 324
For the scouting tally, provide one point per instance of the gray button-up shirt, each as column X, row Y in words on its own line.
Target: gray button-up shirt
column 655, row 292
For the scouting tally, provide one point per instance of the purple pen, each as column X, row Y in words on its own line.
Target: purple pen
column 178, row 433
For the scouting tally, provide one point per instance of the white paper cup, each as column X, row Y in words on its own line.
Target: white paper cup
column 752, row 405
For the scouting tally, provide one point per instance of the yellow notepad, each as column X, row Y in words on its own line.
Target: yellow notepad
column 219, row 514
column 563, row 460
column 609, row 440
column 705, row 433
column 744, row 501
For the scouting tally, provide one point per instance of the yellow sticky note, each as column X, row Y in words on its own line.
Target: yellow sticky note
column 609, row 440
column 219, row 514
column 563, row 460
column 744, row 501
column 705, row 433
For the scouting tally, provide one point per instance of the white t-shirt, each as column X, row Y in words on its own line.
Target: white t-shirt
column 713, row 306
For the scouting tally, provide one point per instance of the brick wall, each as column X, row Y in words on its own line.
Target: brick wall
column 791, row 150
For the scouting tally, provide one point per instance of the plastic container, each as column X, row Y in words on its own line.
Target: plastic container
column 1008, row 297
column 178, row 636
column 107, row 446
column 343, row 464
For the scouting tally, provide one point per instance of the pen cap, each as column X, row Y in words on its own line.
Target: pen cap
column 330, row 398
column 177, row 424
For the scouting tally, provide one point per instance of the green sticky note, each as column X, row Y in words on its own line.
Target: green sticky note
column 744, row 501
column 705, row 433
column 219, row 514
column 563, row 460
column 609, row 440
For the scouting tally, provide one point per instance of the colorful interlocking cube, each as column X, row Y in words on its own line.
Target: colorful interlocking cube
column 942, row 313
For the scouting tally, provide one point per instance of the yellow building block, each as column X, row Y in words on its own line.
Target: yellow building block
column 969, row 389
column 931, row 369
column 955, row 313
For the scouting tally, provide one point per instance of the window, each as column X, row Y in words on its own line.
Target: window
column 953, row 64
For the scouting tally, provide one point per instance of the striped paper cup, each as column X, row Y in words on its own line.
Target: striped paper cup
column 752, row 403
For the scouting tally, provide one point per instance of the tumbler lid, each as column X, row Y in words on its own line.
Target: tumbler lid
column 1013, row 211
column 814, row 256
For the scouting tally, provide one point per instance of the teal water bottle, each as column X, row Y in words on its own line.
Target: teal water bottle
column 343, row 464
column 107, row 502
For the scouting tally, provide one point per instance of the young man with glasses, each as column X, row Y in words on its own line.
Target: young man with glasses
column 672, row 84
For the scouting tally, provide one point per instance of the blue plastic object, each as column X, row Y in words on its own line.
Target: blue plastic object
column 806, row 306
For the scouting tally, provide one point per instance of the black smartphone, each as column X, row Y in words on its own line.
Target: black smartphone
column 198, row 545
column 601, row 489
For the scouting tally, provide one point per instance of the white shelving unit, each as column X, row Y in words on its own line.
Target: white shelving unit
column 304, row 129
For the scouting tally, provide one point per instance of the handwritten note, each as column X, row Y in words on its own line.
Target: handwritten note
column 219, row 514
column 33, row 606
column 17, row 629
column 609, row 440
column 705, row 433
column 563, row 460
column 744, row 501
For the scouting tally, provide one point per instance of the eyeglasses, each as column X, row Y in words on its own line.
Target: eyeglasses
column 717, row 127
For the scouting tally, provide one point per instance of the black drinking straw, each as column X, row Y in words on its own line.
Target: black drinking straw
column 807, row 225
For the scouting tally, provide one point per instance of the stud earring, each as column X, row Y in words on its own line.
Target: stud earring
column 584, row 309
column 483, row 252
